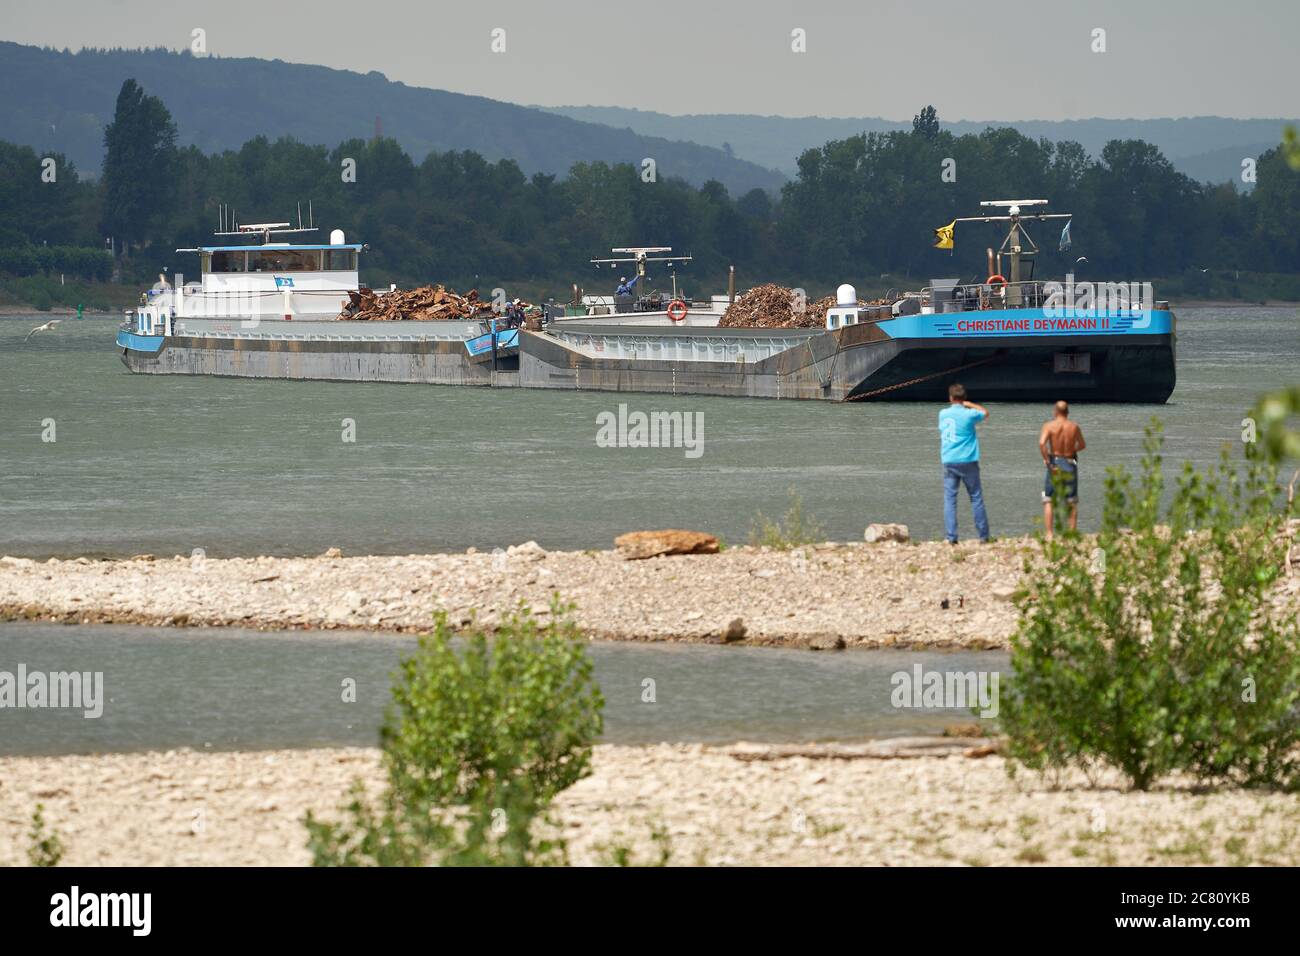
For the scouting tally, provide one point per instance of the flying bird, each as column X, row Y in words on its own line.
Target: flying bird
column 47, row 327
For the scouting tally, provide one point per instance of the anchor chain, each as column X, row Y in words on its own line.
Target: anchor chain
column 917, row 381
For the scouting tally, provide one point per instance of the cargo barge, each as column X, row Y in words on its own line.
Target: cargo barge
column 270, row 310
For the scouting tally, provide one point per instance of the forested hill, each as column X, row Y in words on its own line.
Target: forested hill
column 1206, row 148
column 60, row 102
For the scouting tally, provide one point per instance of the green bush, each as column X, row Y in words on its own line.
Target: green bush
column 619, row 854
column 40, row 298
column 794, row 530
column 45, row 292
column 1157, row 647
column 1274, row 417
column 476, row 746
column 45, row 846
column 72, row 262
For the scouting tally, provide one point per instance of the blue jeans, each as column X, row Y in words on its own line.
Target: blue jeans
column 954, row 475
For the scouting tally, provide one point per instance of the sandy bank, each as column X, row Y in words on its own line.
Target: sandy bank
column 187, row 808
column 870, row 595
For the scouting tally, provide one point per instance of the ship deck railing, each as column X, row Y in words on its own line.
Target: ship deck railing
column 1029, row 294
column 680, row 343
column 976, row 296
column 281, row 332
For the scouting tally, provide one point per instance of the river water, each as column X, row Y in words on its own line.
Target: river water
column 229, row 689
column 237, row 467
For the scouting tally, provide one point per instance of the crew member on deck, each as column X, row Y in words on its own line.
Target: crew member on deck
column 623, row 294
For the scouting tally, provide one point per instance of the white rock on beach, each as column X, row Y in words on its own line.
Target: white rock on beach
column 887, row 532
column 529, row 550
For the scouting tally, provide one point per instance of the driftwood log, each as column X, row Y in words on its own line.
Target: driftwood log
column 894, row 749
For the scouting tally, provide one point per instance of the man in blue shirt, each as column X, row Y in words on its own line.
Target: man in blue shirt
column 625, row 287
column 959, row 450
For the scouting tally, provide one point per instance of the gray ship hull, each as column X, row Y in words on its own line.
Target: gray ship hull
column 861, row 362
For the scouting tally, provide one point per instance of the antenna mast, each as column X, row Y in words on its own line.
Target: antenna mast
column 1012, row 244
column 229, row 225
column 640, row 255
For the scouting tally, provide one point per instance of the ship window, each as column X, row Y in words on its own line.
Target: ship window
column 227, row 262
column 284, row 260
column 341, row 260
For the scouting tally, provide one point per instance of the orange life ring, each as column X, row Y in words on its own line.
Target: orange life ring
column 677, row 310
column 996, row 278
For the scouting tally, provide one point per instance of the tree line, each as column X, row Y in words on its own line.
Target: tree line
column 862, row 209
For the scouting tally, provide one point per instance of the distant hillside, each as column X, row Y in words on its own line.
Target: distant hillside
column 1205, row 147
column 1220, row 165
column 59, row 101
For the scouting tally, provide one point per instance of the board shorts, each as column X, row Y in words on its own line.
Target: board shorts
column 1069, row 470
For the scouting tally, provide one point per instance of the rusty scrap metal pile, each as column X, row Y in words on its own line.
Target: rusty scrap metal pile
column 772, row 306
column 427, row 303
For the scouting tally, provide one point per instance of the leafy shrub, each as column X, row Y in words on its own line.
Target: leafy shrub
column 622, row 855
column 1157, row 647
column 70, row 261
column 792, row 531
column 19, row 261
column 1273, row 417
column 476, row 746
column 46, row 848
column 47, row 291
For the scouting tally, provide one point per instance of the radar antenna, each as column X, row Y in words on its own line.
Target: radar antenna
column 1018, row 244
column 229, row 225
column 640, row 255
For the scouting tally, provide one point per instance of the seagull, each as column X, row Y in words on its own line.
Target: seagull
column 47, row 327
column 1080, row 259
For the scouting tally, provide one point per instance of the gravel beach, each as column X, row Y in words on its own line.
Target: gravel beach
column 187, row 808
column 719, row 805
column 827, row 595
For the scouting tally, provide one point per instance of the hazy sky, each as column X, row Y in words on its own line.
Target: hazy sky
column 973, row 59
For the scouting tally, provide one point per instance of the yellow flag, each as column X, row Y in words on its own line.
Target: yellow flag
column 943, row 235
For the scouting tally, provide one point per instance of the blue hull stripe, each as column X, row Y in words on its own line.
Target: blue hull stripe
column 1027, row 322
column 506, row 339
column 151, row 344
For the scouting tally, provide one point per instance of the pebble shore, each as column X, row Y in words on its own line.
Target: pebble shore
column 717, row 806
column 937, row 803
column 828, row 595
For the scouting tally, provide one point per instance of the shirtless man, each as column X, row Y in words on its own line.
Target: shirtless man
column 1060, row 442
